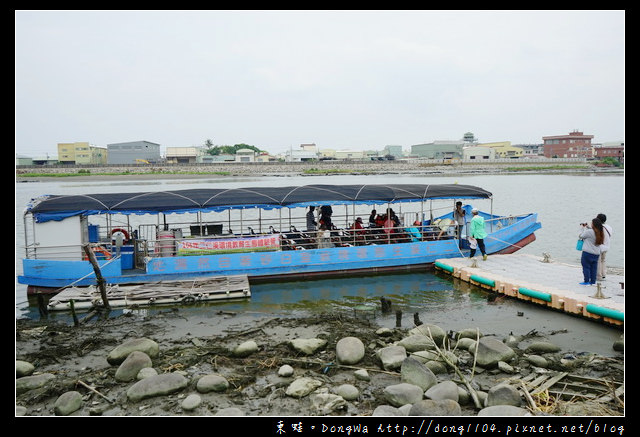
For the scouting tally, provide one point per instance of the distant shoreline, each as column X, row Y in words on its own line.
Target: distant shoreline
column 296, row 169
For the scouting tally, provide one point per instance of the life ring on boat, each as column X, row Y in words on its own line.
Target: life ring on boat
column 98, row 249
column 124, row 232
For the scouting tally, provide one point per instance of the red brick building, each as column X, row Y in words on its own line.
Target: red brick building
column 604, row 151
column 574, row 145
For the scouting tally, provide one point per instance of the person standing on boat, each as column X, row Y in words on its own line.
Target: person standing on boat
column 311, row 220
column 459, row 216
column 604, row 248
column 325, row 216
column 372, row 219
column 477, row 231
column 592, row 238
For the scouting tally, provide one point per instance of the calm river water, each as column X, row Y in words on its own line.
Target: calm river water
column 561, row 201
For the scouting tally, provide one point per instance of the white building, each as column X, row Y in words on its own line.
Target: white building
column 478, row 153
column 185, row 155
column 245, row 155
column 349, row 154
column 307, row 152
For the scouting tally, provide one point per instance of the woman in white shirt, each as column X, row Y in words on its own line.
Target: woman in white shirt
column 604, row 248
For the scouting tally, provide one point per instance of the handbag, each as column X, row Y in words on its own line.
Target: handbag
column 579, row 244
column 473, row 243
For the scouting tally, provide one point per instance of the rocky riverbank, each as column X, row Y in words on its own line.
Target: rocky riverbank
column 318, row 365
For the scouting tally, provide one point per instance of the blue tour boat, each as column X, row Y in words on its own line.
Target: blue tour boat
column 259, row 232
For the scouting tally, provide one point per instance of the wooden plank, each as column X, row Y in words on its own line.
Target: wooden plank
column 570, row 386
column 597, row 381
column 610, row 397
column 529, row 379
column 549, row 383
column 530, row 401
column 571, row 394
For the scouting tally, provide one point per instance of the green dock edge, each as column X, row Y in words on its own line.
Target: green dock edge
column 445, row 267
column 535, row 294
column 605, row 312
column 481, row 280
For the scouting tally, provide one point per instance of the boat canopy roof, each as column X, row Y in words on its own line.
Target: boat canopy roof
column 59, row 207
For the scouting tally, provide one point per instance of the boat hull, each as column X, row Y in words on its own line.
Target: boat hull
column 46, row 276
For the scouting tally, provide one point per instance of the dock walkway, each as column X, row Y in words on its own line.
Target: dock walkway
column 545, row 282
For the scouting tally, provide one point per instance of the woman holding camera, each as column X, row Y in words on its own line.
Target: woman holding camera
column 593, row 238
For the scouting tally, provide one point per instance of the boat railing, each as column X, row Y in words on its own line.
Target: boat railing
column 503, row 221
column 71, row 252
column 172, row 243
column 158, row 240
column 58, row 252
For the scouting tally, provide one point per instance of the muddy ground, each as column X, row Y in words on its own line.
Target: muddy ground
column 201, row 345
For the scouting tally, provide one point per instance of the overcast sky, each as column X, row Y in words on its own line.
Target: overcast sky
column 339, row 79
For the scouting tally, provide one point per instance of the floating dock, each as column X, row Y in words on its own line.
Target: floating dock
column 543, row 281
column 184, row 292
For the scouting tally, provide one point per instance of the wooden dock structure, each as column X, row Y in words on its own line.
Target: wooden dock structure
column 183, row 292
column 543, row 281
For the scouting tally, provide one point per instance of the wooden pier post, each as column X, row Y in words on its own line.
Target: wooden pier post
column 100, row 280
column 385, row 304
column 73, row 313
column 42, row 306
column 398, row 319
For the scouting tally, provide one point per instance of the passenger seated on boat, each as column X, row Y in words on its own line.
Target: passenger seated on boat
column 444, row 225
column 376, row 224
column 391, row 222
column 414, row 233
column 357, row 226
column 357, row 232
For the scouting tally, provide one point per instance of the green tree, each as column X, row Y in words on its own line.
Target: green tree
column 611, row 161
column 227, row 150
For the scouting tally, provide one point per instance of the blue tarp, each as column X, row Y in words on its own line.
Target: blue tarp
column 59, row 207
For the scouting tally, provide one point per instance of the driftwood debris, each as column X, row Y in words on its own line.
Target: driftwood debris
column 88, row 387
column 568, row 386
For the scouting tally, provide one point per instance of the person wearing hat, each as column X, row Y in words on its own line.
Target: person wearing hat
column 357, row 226
column 359, row 230
column 476, row 230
